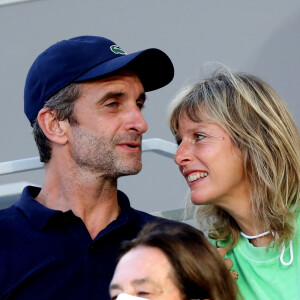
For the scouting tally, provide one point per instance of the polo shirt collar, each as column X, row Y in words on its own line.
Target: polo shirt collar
column 39, row 215
column 36, row 213
column 127, row 216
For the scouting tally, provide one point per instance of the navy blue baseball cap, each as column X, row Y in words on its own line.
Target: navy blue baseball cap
column 85, row 58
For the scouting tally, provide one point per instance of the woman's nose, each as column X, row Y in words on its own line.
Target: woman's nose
column 183, row 154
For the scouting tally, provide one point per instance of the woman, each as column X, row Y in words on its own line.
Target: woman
column 171, row 260
column 239, row 151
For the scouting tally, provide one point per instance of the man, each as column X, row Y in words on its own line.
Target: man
column 83, row 97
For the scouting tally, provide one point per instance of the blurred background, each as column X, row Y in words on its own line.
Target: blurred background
column 257, row 36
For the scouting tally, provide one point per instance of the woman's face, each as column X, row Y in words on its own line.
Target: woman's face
column 144, row 272
column 211, row 164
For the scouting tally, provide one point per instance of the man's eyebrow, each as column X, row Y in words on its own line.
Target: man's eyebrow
column 110, row 95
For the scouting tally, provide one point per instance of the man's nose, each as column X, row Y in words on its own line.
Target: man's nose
column 135, row 120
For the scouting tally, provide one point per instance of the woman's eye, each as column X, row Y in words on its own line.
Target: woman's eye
column 199, row 136
column 178, row 142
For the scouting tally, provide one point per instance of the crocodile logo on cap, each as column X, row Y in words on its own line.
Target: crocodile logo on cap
column 117, row 50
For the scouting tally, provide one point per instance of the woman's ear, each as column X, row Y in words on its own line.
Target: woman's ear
column 53, row 129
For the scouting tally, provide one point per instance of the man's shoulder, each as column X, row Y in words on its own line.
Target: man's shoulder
column 14, row 218
column 14, row 213
column 9, row 215
column 11, row 223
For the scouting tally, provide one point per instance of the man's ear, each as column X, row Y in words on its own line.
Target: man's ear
column 53, row 129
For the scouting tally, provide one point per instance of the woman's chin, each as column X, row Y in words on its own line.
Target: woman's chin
column 199, row 201
column 202, row 199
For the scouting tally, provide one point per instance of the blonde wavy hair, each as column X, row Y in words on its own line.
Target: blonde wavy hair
column 260, row 125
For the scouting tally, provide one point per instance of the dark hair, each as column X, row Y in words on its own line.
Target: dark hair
column 198, row 269
column 63, row 104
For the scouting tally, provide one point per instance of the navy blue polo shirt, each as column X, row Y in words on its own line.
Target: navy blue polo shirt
column 49, row 254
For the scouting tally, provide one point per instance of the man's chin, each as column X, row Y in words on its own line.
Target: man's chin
column 130, row 170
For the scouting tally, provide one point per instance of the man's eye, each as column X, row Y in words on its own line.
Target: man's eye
column 112, row 104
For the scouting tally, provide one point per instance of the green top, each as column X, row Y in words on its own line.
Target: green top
column 261, row 273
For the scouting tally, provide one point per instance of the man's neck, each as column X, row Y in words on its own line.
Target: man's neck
column 91, row 198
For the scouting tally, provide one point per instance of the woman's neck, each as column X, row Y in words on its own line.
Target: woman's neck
column 258, row 240
column 249, row 225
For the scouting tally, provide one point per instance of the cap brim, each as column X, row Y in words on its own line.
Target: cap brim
column 152, row 66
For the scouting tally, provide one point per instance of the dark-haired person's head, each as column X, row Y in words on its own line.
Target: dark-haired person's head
column 171, row 261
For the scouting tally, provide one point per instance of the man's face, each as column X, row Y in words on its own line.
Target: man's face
column 107, row 139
